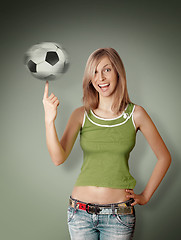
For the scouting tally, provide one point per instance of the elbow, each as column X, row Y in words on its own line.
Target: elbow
column 168, row 159
column 57, row 158
column 58, row 162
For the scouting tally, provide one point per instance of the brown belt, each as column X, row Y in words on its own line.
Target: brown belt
column 115, row 208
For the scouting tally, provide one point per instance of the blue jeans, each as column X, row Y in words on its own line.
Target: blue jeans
column 86, row 226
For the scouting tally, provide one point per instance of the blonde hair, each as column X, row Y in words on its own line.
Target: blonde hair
column 90, row 95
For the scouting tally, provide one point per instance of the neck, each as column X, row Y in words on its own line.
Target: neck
column 105, row 103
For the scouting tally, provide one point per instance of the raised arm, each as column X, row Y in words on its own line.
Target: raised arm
column 144, row 123
column 60, row 150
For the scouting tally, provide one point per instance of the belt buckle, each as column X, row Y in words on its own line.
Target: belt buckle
column 95, row 209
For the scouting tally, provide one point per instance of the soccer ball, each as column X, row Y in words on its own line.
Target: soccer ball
column 46, row 60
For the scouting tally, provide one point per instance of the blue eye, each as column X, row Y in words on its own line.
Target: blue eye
column 107, row 70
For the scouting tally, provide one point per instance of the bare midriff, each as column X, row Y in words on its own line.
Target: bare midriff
column 99, row 195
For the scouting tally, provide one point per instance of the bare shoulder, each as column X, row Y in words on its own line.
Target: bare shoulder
column 78, row 114
column 139, row 111
column 140, row 115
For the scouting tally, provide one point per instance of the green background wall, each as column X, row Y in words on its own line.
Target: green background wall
column 33, row 192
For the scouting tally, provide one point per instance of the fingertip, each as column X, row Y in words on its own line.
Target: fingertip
column 46, row 90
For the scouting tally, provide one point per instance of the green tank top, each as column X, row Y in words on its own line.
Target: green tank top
column 106, row 145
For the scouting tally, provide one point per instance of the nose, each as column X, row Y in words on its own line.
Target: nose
column 101, row 76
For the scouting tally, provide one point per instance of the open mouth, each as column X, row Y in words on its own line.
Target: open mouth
column 104, row 85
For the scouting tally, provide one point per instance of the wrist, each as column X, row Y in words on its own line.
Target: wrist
column 146, row 196
column 49, row 122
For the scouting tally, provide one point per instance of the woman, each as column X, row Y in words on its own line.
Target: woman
column 102, row 202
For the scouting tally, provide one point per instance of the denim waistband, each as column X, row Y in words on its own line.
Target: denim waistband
column 127, row 203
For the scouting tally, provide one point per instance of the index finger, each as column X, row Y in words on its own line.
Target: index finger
column 46, row 90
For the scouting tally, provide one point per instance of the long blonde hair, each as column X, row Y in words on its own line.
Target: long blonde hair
column 90, row 95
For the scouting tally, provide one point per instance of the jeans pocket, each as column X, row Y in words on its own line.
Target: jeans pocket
column 127, row 220
column 70, row 214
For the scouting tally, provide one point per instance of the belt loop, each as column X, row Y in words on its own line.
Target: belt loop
column 113, row 209
column 75, row 201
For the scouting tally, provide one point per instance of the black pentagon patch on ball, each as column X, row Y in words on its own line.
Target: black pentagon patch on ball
column 32, row 66
column 52, row 58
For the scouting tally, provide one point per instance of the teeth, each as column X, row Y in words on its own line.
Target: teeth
column 103, row 85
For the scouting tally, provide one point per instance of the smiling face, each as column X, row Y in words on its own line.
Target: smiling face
column 104, row 66
column 105, row 78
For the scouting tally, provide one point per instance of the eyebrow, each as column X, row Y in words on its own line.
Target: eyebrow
column 106, row 65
